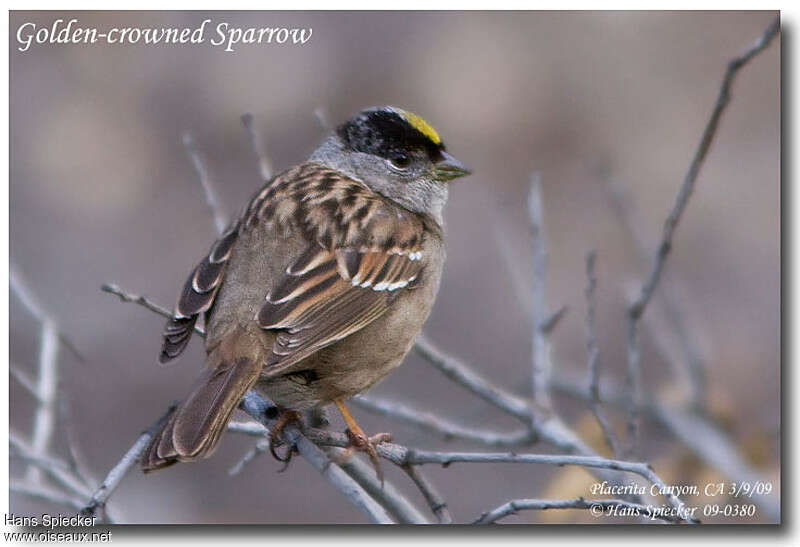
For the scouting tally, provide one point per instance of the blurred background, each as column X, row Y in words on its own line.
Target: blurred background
column 102, row 191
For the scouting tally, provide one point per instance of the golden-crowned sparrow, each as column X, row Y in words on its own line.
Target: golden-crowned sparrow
column 320, row 287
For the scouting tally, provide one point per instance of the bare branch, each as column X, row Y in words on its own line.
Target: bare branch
column 593, row 351
column 542, row 364
column 403, row 456
column 25, row 381
column 144, row 302
column 45, row 494
column 220, row 220
column 55, row 468
column 385, row 494
column 258, row 449
column 639, row 305
column 514, row 506
column 321, row 114
column 257, row 142
column 667, row 300
column 430, row 493
column 460, row 373
column 45, row 416
column 440, row 426
column 123, row 466
column 698, row 434
column 256, row 406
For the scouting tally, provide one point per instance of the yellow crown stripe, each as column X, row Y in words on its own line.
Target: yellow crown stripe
column 421, row 125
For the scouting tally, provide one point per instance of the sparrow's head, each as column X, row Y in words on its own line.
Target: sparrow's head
column 395, row 153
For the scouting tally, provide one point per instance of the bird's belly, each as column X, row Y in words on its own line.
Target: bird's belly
column 355, row 363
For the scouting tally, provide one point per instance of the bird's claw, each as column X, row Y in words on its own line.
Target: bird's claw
column 359, row 441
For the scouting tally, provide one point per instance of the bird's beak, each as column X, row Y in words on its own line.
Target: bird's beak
column 449, row 168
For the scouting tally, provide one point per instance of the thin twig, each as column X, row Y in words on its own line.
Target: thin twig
column 45, row 415
column 384, row 493
column 403, row 456
column 258, row 449
column 123, row 466
column 672, row 320
column 458, row 371
column 45, row 494
column 698, row 434
column 220, row 220
column 25, row 381
column 257, row 143
column 639, row 305
column 593, row 351
column 432, row 496
column 542, row 365
column 599, row 508
column 440, row 426
column 321, row 114
column 55, row 468
column 144, row 302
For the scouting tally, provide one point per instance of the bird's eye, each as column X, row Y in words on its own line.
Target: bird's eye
column 400, row 162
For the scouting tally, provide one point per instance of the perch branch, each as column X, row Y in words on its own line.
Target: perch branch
column 256, row 407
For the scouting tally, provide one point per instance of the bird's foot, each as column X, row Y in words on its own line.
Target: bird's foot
column 285, row 418
column 359, row 441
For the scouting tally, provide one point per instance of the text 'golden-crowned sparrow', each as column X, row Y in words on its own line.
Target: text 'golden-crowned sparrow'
column 321, row 286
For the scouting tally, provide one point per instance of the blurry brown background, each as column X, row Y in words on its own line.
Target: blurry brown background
column 101, row 190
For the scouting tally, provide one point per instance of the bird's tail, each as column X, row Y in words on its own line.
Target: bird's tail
column 192, row 431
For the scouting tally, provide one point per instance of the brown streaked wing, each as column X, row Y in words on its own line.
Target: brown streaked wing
column 198, row 296
column 328, row 295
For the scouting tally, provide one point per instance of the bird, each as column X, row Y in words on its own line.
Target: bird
column 320, row 286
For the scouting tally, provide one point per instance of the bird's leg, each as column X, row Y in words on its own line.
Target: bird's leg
column 359, row 439
column 285, row 417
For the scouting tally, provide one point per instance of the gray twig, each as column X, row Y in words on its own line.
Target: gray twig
column 694, row 430
column 459, row 372
column 514, row 506
column 220, row 220
column 639, row 305
column 670, row 330
column 258, row 449
column 121, row 469
column 385, row 494
column 144, row 302
column 25, row 381
column 321, row 114
column 593, row 351
column 45, row 494
column 433, row 423
column 255, row 406
column 55, row 468
column 257, row 143
column 432, row 496
column 542, row 364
